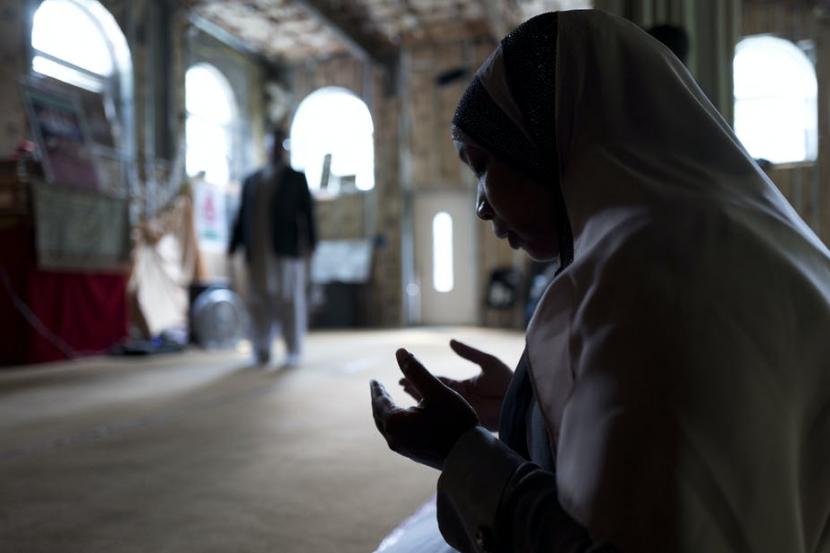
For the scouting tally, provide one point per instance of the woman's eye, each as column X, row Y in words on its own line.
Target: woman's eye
column 478, row 168
column 477, row 162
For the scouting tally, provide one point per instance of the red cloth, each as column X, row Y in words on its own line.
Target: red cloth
column 16, row 261
column 87, row 311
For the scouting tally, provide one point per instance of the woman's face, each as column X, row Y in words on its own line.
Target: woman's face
column 520, row 208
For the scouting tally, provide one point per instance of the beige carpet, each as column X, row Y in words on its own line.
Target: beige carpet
column 196, row 452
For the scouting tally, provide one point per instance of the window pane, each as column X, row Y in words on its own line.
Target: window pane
column 773, row 128
column 442, row 270
column 65, row 30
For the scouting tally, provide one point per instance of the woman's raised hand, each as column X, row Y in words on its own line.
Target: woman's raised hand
column 424, row 433
column 485, row 391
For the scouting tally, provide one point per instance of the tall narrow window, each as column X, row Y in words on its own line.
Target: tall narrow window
column 442, row 271
column 211, row 117
column 775, row 100
column 331, row 140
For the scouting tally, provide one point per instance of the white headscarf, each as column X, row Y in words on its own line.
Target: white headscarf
column 682, row 360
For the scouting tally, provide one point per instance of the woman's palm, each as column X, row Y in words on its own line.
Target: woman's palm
column 484, row 391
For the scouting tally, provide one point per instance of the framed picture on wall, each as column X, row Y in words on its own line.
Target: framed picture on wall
column 58, row 124
column 99, row 114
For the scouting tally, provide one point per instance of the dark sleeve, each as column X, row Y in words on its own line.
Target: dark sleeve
column 241, row 214
column 491, row 500
column 311, row 223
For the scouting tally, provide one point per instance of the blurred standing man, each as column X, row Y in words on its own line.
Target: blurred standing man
column 275, row 225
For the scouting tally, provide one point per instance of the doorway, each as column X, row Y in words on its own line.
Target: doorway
column 445, row 258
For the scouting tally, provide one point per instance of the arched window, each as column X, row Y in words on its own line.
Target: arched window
column 79, row 42
column 333, row 121
column 775, row 100
column 211, row 120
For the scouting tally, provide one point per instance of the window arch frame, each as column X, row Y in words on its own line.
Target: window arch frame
column 801, row 63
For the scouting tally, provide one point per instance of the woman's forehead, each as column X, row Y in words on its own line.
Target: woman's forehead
column 461, row 140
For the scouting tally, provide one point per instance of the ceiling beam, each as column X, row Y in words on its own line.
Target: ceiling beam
column 363, row 45
column 219, row 33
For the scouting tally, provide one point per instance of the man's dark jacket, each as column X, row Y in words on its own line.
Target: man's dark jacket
column 293, row 231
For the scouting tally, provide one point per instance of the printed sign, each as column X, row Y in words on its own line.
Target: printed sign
column 210, row 216
column 59, row 127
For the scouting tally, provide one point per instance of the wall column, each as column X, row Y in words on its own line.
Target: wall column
column 15, row 27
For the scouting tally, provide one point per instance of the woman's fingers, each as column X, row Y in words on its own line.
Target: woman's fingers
column 423, row 380
column 472, row 354
column 410, row 389
column 382, row 404
column 453, row 384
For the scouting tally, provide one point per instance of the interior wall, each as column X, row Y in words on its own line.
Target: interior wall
column 373, row 215
column 713, row 29
column 15, row 28
column 245, row 76
column 139, row 21
column 163, row 43
column 434, row 160
column 413, row 154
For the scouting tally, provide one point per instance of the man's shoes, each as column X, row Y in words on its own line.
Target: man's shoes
column 292, row 361
column 263, row 358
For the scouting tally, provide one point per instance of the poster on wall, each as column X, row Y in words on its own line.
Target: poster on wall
column 99, row 115
column 59, row 127
column 210, row 216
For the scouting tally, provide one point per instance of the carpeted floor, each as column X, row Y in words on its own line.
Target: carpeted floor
column 196, row 452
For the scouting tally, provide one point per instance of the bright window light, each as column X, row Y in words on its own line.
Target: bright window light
column 211, row 113
column 775, row 100
column 61, row 72
column 442, row 273
column 67, row 31
column 334, row 121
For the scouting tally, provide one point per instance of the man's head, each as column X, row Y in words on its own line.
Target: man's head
column 674, row 37
column 276, row 145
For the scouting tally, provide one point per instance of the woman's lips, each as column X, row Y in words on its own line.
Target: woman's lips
column 511, row 237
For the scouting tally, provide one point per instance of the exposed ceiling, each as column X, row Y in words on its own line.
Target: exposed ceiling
column 289, row 31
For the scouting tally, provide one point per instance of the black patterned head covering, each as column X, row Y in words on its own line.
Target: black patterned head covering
column 509, row 109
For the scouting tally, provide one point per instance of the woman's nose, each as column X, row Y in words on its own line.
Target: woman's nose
column 484, row 210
